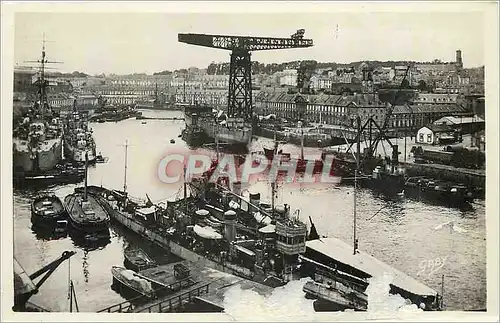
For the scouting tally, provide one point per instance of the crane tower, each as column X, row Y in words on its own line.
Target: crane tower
column 239, row 103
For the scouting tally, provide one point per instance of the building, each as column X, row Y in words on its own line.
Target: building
column 321, row 82
column 479, row 140
column 436, row 98
column 406, row 118
column 433, row 134
column 463, row 124
column 288, row 78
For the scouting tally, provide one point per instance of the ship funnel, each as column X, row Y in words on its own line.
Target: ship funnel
column 237, row 188
column 255, row 199
column 229, row 225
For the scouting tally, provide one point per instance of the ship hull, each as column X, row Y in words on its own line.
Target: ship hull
column 234, row 132
column 162, row 240
column 97, row 223
column 49, row 154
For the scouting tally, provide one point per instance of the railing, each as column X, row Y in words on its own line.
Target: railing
column 129, row 305
column 172, row 303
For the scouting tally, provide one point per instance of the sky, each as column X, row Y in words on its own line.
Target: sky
column 124, row 43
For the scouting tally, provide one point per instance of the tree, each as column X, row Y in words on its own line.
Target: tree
column 405, row 84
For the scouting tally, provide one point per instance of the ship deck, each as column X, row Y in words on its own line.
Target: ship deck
column 76, row 212
column 342, row 252
column 55, row 206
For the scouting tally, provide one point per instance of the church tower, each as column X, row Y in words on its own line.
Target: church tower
column 367, row 78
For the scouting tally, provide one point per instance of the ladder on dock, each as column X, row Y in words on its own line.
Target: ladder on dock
column 131, row 305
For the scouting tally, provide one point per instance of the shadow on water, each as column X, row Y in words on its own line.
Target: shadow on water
column 89, row 241
column 48, row 232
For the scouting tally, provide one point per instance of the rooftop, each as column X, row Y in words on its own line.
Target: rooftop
column 342, row 252
column 458, row 120
column 439, row 128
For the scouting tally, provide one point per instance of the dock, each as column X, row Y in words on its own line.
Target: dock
column 160, row 118
column 204, row 287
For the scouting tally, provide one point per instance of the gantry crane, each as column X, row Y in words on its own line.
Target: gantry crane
column 239, row 103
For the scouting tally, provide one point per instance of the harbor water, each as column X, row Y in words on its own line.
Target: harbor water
column 426, row 241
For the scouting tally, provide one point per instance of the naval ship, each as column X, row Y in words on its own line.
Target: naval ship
column 78, row 138
column 37, row 135
column 216, row 125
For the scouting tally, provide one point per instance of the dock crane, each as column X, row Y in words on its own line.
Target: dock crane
column 25, row 287
column 381, row 135
column 240, row 74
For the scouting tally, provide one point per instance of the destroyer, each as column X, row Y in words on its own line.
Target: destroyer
column 78, row 138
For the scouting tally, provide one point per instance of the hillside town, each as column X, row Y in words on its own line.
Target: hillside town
column 431, row 90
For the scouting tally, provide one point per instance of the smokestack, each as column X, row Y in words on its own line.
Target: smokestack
column 458, row 58
column 229, row 225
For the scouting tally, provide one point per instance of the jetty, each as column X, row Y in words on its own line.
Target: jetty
column 186, row 286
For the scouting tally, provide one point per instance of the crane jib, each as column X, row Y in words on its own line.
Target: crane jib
column 243, row 42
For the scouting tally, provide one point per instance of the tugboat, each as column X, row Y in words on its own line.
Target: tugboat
column 100, row 159
column 47, row 210
column 130, row 280
column 137, row 260
column 86, row 215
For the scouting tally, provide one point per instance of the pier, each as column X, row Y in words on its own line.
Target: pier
column 204, row 286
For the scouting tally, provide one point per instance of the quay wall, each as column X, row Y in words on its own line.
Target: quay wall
column 175, row 248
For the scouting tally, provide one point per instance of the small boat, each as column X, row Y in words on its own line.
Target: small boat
column 130, row 280
column 47, row 209
column 137, row 260
column 172, row 141
column 144, row 122
column 100, row 159
column 86, row 214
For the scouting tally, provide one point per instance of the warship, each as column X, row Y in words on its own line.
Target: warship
column 78, row 138
column 215, row 125
column 37, row 135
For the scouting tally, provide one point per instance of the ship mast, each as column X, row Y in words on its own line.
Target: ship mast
column 41, row 86
column 125, row 173
column 86, row 175
column 301, row 142
column 273, row 181
column 355, row 244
